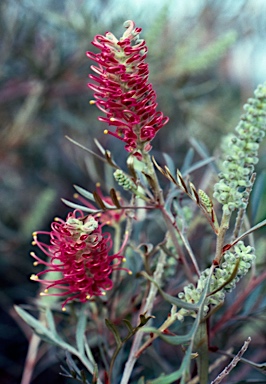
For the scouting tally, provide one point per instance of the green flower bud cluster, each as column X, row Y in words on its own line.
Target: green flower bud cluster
column 123, row 180
column 191, row 294
column 205, row 200
column 242, row 154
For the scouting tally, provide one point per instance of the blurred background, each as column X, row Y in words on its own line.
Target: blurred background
column 206, row 57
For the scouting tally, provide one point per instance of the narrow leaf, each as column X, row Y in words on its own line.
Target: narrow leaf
column 85, row 148
column 83, row 192
column 114, row 198
column 250, row 230
column 128, row 325
column 112, row 327
column 169, row 175
column 71, row 364
column 150, row 180
column 50, row 320
column 88, row 195
column 99, row 201
column 169, row 162
column 44, row 333
column 100, row 147
column 37, row 326
column 194, row 192
column 171, row 299
column 131, row 168
column 173, row 340
column 198, row 165
column 110, row 160
column 80, row 332
column 188, row 160
column 88, row 351
column 172, row 377
column 158, row 166
column 181, row 181
column 78, row 206
column 233, row 275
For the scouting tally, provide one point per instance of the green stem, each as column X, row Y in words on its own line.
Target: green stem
column 220, row 238
column 201, row 346
column 117, row 350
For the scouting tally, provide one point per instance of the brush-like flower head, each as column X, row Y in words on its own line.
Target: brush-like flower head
column 122, row 90
column 80, row 252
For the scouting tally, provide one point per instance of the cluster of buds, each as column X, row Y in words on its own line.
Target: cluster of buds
column 79, row 251
column 124, row 181
column 242, row 154
column 241, row 258
column 122, row 90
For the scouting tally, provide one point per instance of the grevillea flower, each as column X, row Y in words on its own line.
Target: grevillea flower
column 122, row 90
column 80, row 252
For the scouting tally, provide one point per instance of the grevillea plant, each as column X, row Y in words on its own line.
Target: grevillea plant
column 134, row 299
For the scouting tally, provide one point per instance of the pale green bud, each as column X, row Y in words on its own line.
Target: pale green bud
column 123, row 180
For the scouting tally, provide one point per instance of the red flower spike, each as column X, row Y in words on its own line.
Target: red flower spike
column 80, row 252
column 122, row 90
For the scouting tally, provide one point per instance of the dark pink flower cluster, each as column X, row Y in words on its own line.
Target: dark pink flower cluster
column 79, row 251
column 122, row 90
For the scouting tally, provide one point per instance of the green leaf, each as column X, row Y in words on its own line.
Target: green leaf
column 80, row 332
column 177, row 302
column 198, row 165
column 50, row 320
column 71, row 364
column 37, row 326
column 88, row 350
column 112, row 327
column 86, row 149
column 78, row 206
column 172, row 377
column 171, row 299
column 173, row 340
column 44, row 333
column 89, row 195
column 128, row 325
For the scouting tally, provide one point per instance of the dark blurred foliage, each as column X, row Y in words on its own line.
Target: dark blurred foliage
column 197, row 68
